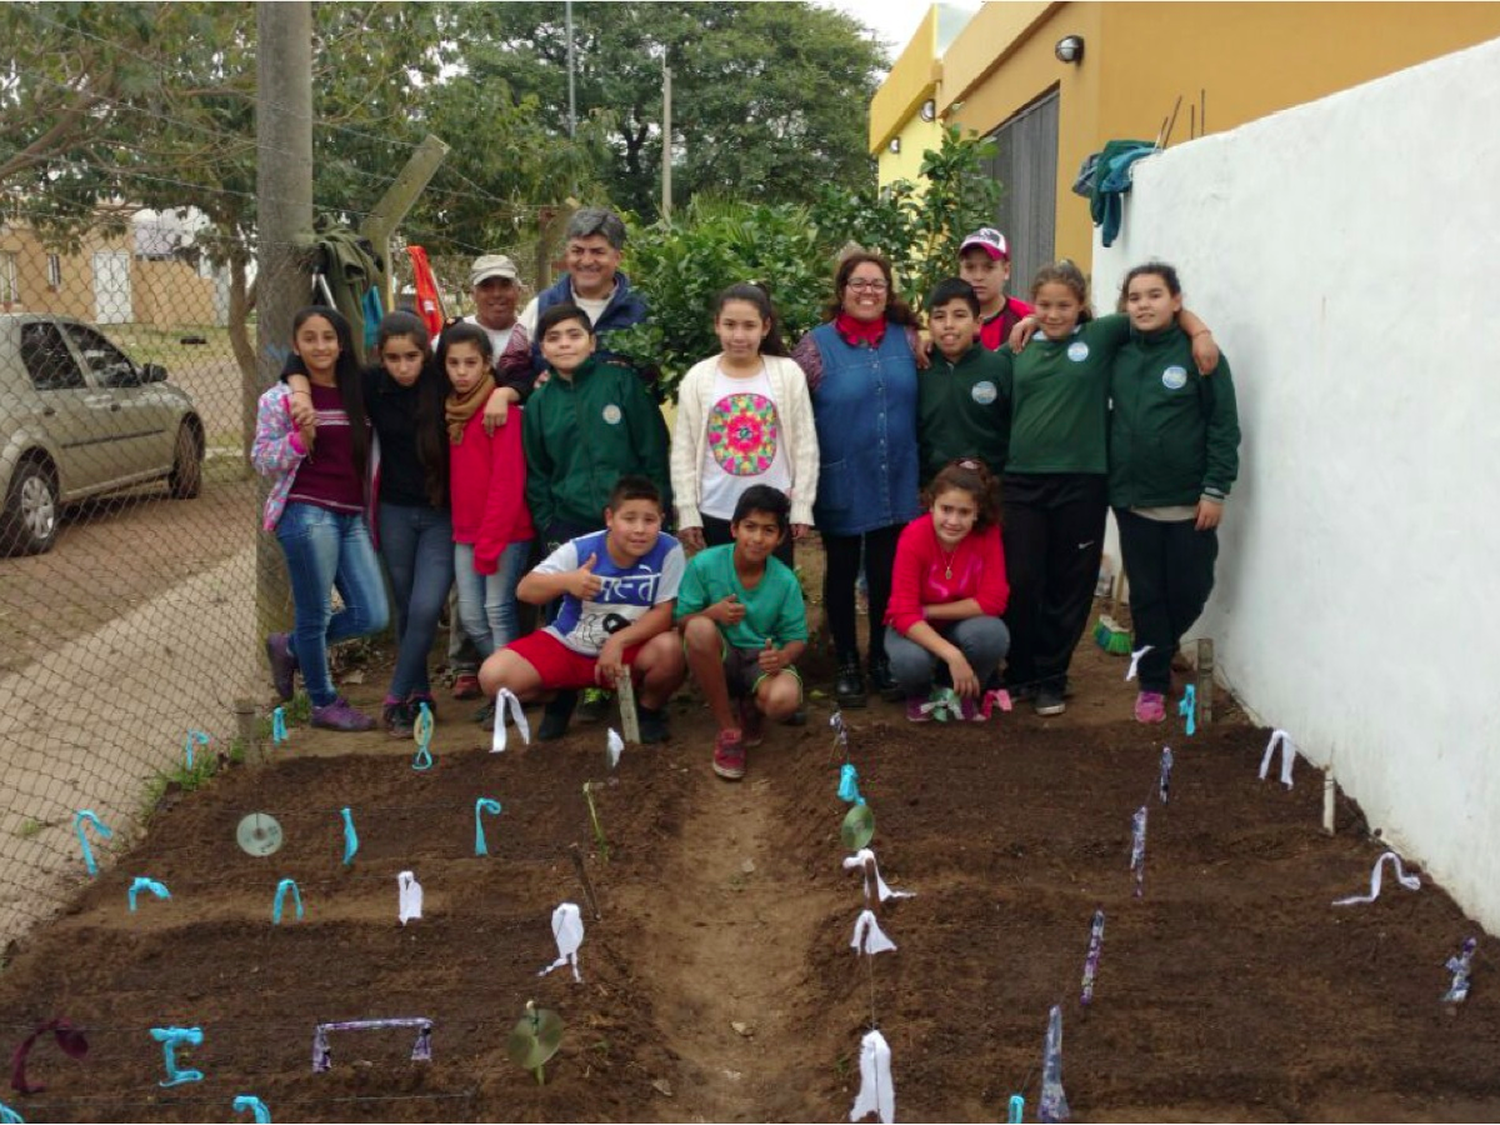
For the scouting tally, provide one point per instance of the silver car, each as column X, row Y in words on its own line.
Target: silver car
column 79, row 418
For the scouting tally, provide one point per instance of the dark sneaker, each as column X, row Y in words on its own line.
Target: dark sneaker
column 486, row 714
column 1049, row 700
column 849, row 688
column 653, row 723
column 882, row 682
column 556, row 715
column 397, row 718
column 466, row 686
column 283, row 663
column 595, row 705
column 341, row 715
column 752, row 724
column 729, row 755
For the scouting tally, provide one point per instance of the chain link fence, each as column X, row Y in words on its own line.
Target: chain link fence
column 128, row 534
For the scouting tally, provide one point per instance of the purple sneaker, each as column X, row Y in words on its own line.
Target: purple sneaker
column 283, row 663
column 340, row 715
column 914, row 712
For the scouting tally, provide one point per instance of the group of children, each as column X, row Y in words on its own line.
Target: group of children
column 1084, row 414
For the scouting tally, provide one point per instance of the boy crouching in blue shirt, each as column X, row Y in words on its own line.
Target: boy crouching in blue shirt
column 618, row 588
column 744, row 626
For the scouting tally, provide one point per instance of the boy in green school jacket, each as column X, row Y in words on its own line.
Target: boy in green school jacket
column 963, row 398
column 590, row 424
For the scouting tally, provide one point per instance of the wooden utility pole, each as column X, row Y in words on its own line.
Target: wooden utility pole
column 283, row 198
column 666, row 141
column 386, row 215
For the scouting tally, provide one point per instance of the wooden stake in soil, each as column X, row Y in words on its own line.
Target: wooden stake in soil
column 1206, row 679
column 1329, row 792
column 247, row 729
column 630, row 724
column 575, row 853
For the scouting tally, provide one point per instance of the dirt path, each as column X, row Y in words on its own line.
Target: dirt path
column 730, row 923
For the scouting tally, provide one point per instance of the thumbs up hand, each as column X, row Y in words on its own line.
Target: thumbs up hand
column 726, row 611
column 583, row 582
column 771, row 658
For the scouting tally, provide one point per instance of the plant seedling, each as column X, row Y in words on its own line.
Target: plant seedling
column 535, row 1039
column 588, row 795
column 858, row 828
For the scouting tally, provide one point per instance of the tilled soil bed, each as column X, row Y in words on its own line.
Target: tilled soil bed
column 718, row 981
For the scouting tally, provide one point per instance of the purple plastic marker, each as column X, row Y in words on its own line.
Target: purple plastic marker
column 1166, row 772
column 1138, row 850
column 1091, row 963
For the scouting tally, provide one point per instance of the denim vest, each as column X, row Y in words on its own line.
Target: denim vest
column 865, row 411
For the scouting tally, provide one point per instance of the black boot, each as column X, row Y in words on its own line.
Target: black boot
column 555, row 716
column 881, row 680
column 849, row 688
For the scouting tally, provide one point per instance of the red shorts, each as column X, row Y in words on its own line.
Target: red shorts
column 559, row 666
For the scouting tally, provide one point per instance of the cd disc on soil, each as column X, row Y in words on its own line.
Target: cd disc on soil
column 259, row 834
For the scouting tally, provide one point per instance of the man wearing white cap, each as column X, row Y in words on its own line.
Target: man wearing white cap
column 984, row 262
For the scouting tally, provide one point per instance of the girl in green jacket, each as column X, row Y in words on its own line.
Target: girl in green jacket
column 1173, row 456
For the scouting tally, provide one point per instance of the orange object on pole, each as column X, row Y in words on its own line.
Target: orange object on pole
column 429, row 300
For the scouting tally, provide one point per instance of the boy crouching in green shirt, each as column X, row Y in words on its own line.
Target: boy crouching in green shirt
column 744, row 626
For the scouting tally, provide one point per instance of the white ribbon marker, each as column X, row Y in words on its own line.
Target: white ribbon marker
column 411, row 896
column 1410, row 882
column 616, row 747
column 1135, row 662
column 507, row 698
column 877, row 1093
column 869, row 938
column 1288, row 756
column 567, row 927
column 858, row 860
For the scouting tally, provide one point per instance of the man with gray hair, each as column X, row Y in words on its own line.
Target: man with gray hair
column 593, row 282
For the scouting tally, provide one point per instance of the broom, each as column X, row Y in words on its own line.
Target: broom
column 1109, row 634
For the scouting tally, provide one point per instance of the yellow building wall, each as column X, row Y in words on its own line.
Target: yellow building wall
column 908, row 84
column 916, row 138
column 1251, row 59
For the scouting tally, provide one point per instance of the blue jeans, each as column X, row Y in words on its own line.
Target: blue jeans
column 417, row 546
column 487, row 602
column 325, row 551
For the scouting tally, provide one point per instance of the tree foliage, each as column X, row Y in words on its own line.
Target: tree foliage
column 793, row 249
column 768, row 99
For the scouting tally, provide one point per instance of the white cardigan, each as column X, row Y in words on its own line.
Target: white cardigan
column 794, row 408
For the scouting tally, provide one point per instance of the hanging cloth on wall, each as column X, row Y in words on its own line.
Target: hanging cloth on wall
column 429, row 296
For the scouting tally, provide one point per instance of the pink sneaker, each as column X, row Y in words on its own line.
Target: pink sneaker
column 1150, row 707
column 914, row 712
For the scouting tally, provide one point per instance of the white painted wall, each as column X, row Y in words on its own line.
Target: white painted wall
column 1346, row 254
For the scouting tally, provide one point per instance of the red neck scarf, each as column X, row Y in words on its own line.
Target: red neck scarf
column 857, row 332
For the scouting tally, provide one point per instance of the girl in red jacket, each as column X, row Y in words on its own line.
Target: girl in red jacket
column 492, row 530
column 948, row 590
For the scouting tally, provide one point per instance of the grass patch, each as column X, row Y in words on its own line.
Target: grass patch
column 147, row 343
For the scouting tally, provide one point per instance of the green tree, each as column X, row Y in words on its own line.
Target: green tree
column 768, row 99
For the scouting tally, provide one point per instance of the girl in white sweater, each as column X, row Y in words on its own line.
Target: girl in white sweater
column 743, row 418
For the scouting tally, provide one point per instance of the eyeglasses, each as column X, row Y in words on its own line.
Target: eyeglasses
column 860, row 285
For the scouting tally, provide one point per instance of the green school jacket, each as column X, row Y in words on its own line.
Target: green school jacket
column 582, row 435
column 1174, row 435
column 1059, row 399
column 963, row 409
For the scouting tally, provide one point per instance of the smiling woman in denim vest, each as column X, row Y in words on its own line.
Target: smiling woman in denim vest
column 862, row 374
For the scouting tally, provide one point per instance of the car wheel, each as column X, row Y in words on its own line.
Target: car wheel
column 186, row 479
column 29, row 523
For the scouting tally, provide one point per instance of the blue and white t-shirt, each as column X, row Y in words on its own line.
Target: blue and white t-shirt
column 629, row 591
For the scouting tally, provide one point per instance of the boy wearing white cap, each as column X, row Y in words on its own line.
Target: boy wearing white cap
column 984, row 262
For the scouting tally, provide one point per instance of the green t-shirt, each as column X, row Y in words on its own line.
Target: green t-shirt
column 773, row 609
column 1059, row 396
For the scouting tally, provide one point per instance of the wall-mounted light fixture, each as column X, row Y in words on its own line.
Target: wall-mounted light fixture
column 929, row 110
column 1069, row 49
column 895, row 145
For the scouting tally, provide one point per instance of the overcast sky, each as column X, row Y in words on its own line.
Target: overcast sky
column 891, row 20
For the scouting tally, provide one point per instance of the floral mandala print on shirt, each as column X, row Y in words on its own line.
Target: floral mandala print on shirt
column 743, row 433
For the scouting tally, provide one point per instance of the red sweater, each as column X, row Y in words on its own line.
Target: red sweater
column 488, row 486
column 978, row 565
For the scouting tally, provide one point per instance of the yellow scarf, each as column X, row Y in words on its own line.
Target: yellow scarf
column 458, row 409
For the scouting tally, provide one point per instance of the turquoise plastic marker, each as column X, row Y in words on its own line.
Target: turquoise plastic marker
column 247, row 1102
column 422, row 732
column 351, row 838
column 9, row 1116
column 483, row 805
column 194, row 736
column 1188, row 708
column 1017, row 1112
column 90, row 817
column 278, row 726
column 144, row 884
column 849, row 784
column 170, row 1039
column 281, row 890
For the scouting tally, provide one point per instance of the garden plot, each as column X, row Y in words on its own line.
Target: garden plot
column 719, row 982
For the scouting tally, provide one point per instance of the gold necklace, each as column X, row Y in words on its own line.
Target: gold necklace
column 947, row 559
